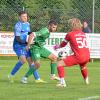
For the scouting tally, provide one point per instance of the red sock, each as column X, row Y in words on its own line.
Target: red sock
column 60, row 71
column 84, row 72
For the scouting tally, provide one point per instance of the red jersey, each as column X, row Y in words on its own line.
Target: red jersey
column 78, row 44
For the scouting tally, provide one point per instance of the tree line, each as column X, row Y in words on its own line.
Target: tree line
column 40, row 11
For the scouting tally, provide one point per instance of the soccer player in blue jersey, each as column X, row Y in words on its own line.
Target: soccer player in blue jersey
column 21, row 29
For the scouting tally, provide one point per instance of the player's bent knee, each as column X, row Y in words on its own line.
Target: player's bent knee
column 23, row 61
column 30, row 61
column 61, row 63
column 37, row 65
column 53, row 57
column 82, row 68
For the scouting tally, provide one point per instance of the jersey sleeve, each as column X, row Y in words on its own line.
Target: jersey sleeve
column 42, row 32
column 29, row 30
column 17, row 29
column 65, row 41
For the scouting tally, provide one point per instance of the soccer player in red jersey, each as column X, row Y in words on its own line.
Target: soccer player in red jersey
column 81, row 56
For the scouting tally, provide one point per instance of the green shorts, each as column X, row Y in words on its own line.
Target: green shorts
column 38, row 52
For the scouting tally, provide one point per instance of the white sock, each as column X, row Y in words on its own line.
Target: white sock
column 38, row 79
column 10, row 75
column 87, row 80
column 25, row 77
column 52, row 75
column 62, row 81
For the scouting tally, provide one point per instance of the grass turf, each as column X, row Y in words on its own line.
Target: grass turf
column 32, row 91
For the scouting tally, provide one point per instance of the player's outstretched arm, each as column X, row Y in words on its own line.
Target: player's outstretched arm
column 63, row 44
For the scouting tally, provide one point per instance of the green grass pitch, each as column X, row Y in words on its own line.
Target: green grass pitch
column 76, row 89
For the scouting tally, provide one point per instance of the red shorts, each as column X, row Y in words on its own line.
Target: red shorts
column 72, row 60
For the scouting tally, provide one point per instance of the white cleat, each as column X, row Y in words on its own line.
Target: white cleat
column 54, row 78
column 24, row 80
column 40, row 81
column 61, row 85
column 11, row 79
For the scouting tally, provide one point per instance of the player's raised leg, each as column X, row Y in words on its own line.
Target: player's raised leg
column 33, row 70
column 47, row 54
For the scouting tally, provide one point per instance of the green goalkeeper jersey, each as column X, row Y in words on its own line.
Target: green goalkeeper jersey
column 41, row 36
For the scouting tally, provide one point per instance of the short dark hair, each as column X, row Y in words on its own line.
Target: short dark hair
column 52, row 22
column 22, row 12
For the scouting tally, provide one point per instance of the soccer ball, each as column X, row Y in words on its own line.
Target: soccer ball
column 62, row 53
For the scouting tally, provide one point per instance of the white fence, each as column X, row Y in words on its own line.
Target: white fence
column 6, row 42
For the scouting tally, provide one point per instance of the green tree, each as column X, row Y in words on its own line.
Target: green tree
column 8, row 13
column 97, row 16
column 40, row 11
column 84, row 9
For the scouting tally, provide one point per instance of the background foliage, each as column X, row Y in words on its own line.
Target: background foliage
column 40, row 11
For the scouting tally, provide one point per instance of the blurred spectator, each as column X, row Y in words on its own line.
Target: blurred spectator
column 86, row 28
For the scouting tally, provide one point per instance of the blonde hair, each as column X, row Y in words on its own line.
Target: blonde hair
column 75, row 24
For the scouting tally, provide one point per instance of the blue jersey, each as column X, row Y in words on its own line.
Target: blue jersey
column 21, row 29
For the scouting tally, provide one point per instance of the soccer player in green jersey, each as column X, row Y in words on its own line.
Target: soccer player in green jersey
column 36, row 42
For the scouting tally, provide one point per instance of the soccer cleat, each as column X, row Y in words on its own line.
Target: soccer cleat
column 61, row 85
column 54, row 78
column 40, row 81
column 24, row 80
column 11, row 79
column 87, row 81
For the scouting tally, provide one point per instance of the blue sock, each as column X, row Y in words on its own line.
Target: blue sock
column 16, row 67
column 35, row 73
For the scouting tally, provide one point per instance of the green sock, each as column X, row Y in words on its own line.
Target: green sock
column 53, row 67
column 30, row 72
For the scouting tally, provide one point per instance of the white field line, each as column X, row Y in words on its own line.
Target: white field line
column 90, row 98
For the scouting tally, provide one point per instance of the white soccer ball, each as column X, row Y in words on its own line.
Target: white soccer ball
column 62, row 53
